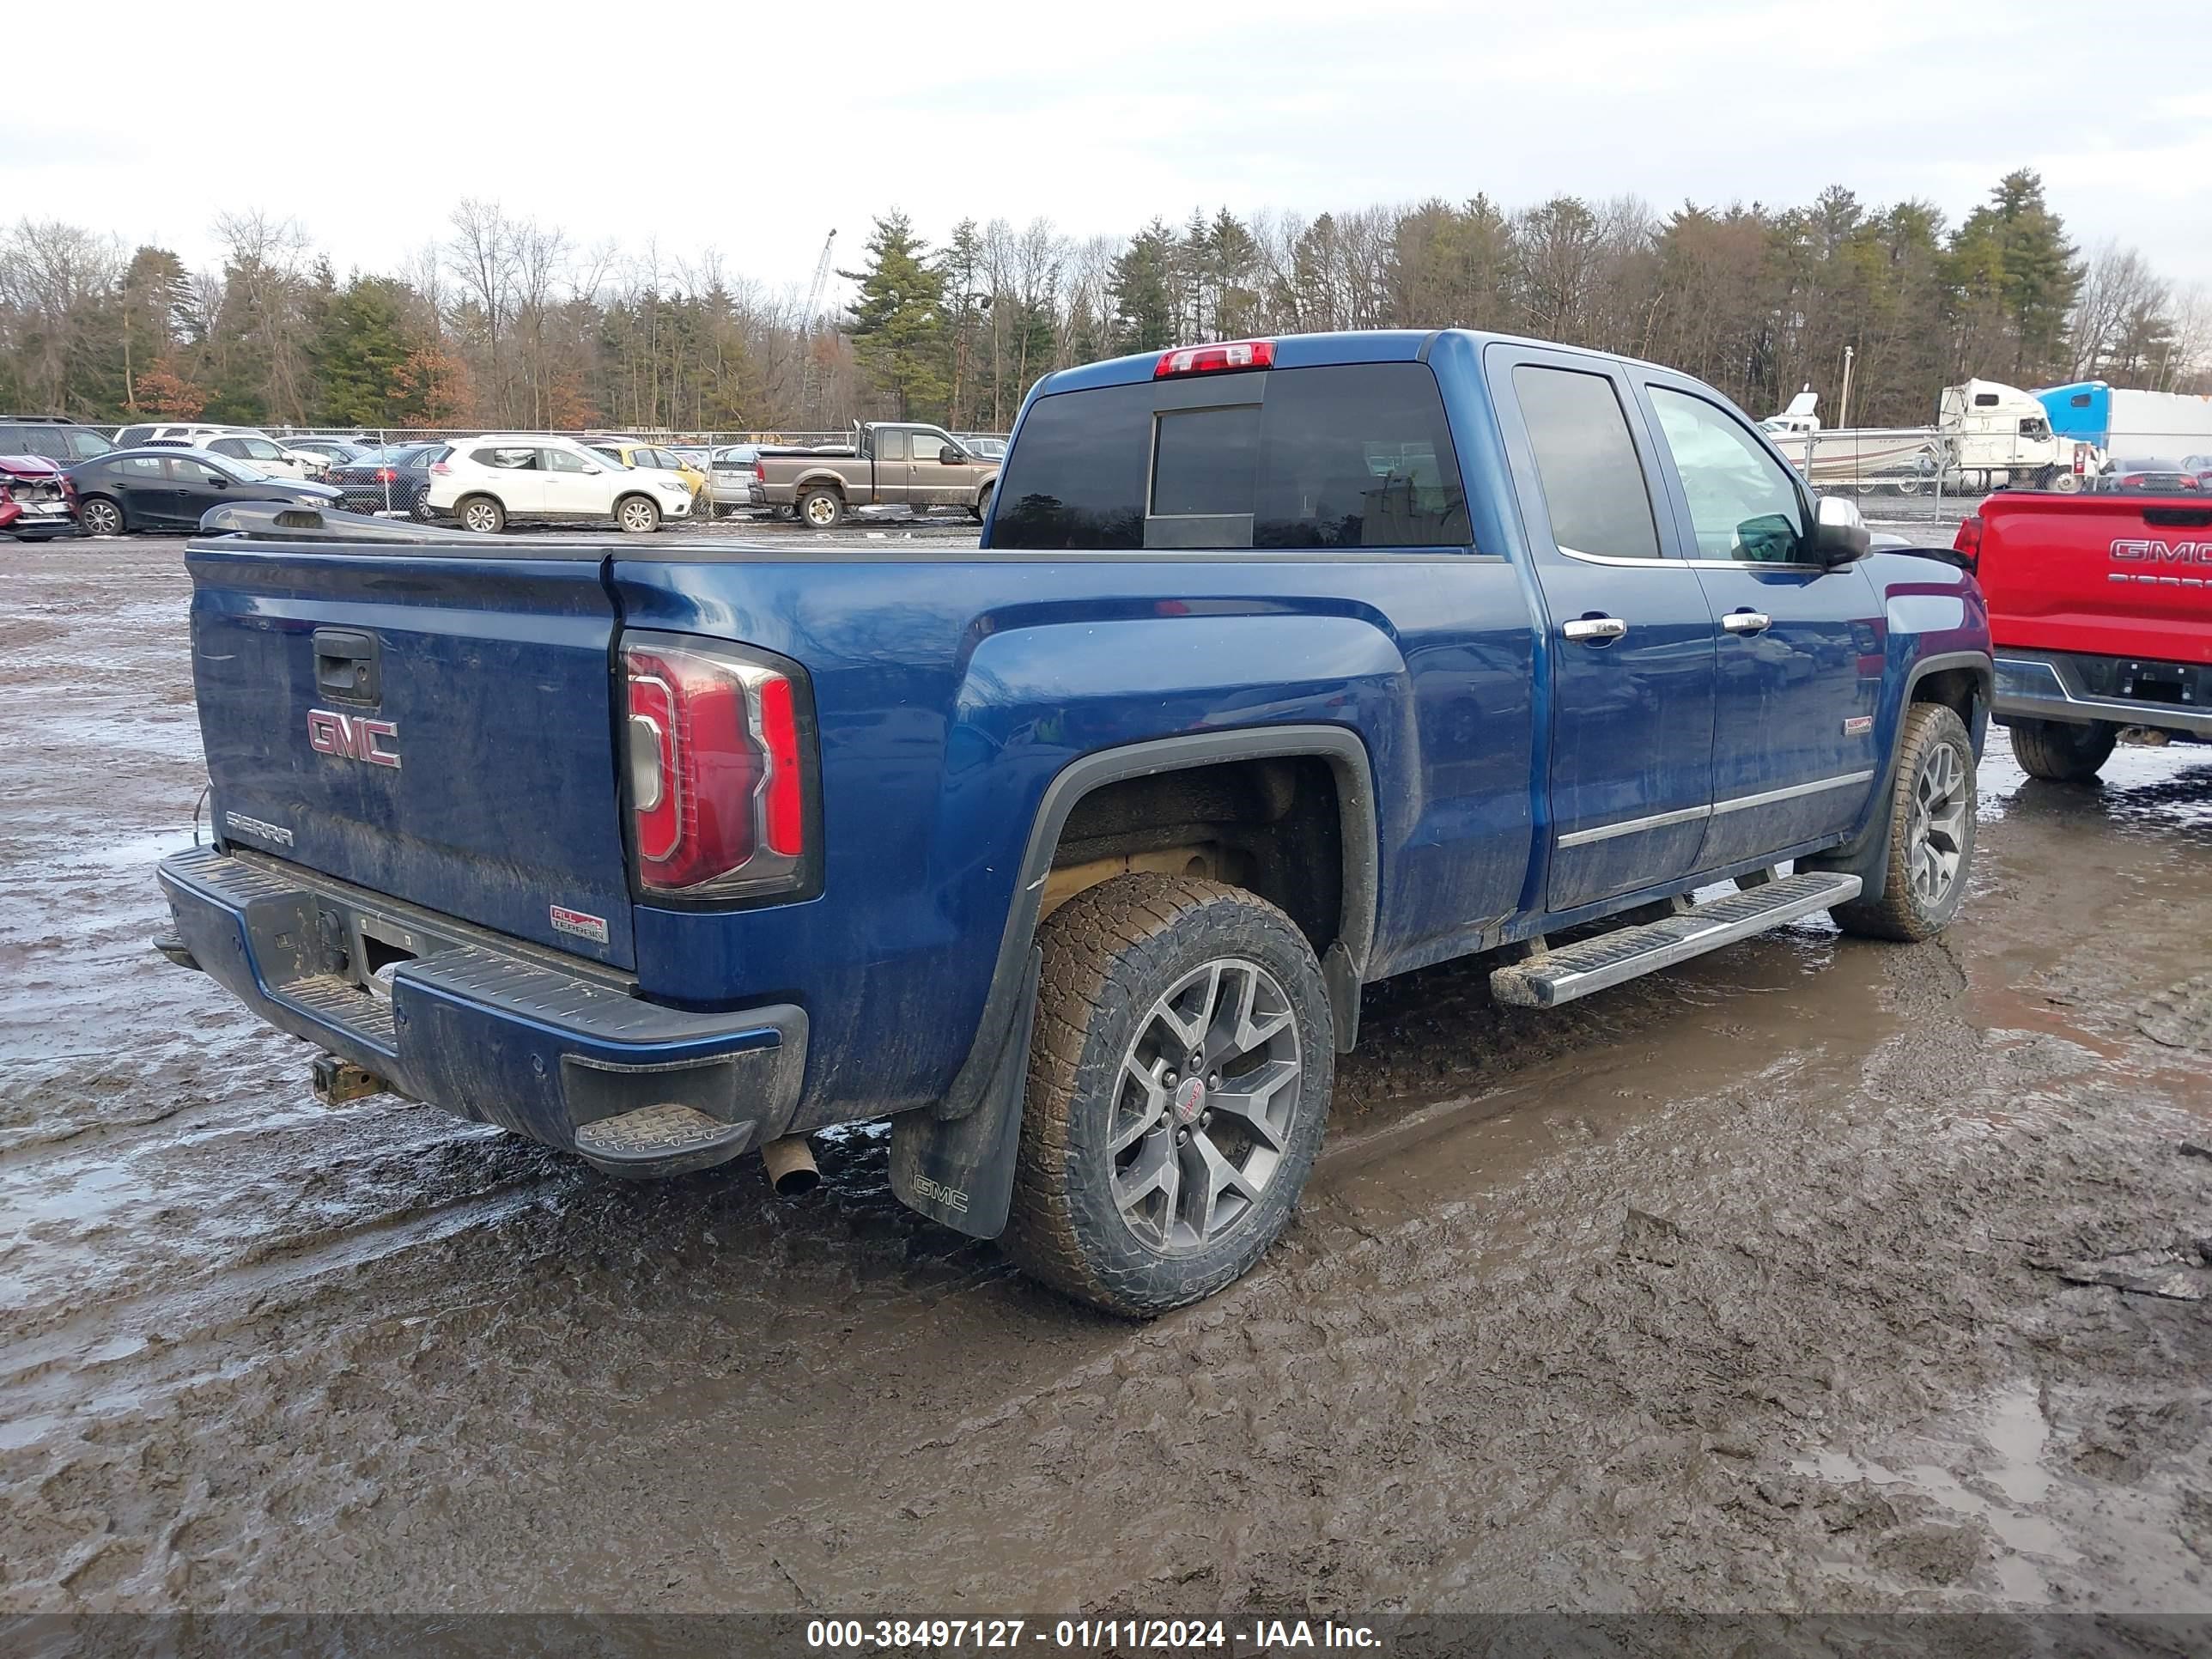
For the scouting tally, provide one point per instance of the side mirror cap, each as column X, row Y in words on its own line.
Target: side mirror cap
column 588, row 467
column 947, row 455
column 1839, row 532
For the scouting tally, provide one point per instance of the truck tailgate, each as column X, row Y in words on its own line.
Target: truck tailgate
column 2104, row 575
column 435, row 726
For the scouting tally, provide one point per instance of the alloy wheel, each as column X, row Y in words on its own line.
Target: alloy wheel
column 1208, row 1092
column 1936, row 836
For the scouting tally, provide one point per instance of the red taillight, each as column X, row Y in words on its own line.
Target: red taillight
column 760, row 471
column 1213, row 359
column 440, row 468
column 718, row 785
column 386, row 475
column 1968, row 541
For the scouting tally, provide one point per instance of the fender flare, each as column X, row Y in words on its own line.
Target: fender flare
column 1345, row 959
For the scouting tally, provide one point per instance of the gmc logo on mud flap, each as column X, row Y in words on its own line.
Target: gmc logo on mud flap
column 951, row 1197
column 2163, row 552
column 351, row 737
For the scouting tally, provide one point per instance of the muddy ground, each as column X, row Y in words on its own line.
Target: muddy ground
column 1734, row 1288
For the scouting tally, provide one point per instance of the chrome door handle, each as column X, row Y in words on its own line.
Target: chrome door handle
column 1588, row 629
column 1747, row 621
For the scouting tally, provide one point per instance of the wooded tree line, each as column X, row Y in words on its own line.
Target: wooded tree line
column 509, row 322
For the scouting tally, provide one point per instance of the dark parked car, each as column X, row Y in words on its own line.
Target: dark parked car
column 168, row 488
column 2148, row 477
column 55, row 438
column 36, row 501
column 393, row 480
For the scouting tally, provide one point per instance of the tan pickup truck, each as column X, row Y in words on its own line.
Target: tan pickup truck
column 916, row 467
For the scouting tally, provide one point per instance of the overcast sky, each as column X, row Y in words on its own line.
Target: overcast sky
column 754, row 130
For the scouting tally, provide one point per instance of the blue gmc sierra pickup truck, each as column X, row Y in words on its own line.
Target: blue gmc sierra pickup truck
column 1284, row 667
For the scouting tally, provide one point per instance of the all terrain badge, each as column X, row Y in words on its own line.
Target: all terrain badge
column 1857, row 726
column 581, row 923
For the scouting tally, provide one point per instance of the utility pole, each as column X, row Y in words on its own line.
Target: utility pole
column 981, row 302
column 1844, row 404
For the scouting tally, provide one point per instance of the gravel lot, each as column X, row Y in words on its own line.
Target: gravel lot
column 1751, row 1286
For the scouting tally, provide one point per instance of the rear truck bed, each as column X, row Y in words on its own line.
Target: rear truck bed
column 2100, row 614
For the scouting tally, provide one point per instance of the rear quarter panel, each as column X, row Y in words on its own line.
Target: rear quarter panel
column 949, row 693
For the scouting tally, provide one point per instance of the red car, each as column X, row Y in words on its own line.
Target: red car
column 36, row 501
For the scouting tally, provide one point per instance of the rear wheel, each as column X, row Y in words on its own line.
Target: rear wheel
column 1931, row 832
column 2059, row 751
column 482, row 514
column 1179, row 1082
column 820, row 509
column 982, row 506
column 421, row 510
column 638, row 515
column 96, row 516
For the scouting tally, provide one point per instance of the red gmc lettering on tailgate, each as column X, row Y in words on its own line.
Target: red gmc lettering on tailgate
column 351, row 737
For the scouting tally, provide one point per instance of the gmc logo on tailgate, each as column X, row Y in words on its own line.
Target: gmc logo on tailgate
column 352, row 737
column 2163, row 552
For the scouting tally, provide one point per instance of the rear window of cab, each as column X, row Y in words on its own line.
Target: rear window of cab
column 1357, row 455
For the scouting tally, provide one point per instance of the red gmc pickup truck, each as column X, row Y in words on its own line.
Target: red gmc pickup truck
column 2101, row 612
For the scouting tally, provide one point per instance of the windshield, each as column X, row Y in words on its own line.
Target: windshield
column 237, row 470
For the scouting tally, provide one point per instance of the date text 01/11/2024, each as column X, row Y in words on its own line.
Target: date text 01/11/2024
column 1264, row 1635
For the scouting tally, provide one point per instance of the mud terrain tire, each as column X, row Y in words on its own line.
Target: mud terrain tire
column 1931, row 832
column 1112, row 955
column 2059, row 751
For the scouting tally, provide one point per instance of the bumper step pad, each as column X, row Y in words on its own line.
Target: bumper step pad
column 1591, row 965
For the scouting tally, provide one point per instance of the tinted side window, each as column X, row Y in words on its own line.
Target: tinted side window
column 46, row 441
column 1743, row 505
column 229, row 446
column 132, row 435
column 85, row 444
column 1594, row 486
column 1076, row 480
column 140, row 469
column 513, row 461
column 1359, row 456
column 560, row 460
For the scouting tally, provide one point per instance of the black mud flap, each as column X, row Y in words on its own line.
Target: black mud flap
column 960, row 1171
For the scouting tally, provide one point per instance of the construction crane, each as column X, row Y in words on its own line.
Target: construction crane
column 806, row 373
column 821, row 282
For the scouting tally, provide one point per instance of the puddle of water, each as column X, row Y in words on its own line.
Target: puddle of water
column 140, row 851
column 2012, row 1434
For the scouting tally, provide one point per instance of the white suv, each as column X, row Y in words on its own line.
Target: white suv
column 238, row 443
column 484, row 481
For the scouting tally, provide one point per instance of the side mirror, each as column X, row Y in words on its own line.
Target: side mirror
column 594, row 471
column 1839, row 533
column 949, row 456
column 218, row 481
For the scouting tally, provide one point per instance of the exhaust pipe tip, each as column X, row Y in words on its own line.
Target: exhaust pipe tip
column 791, row 1167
